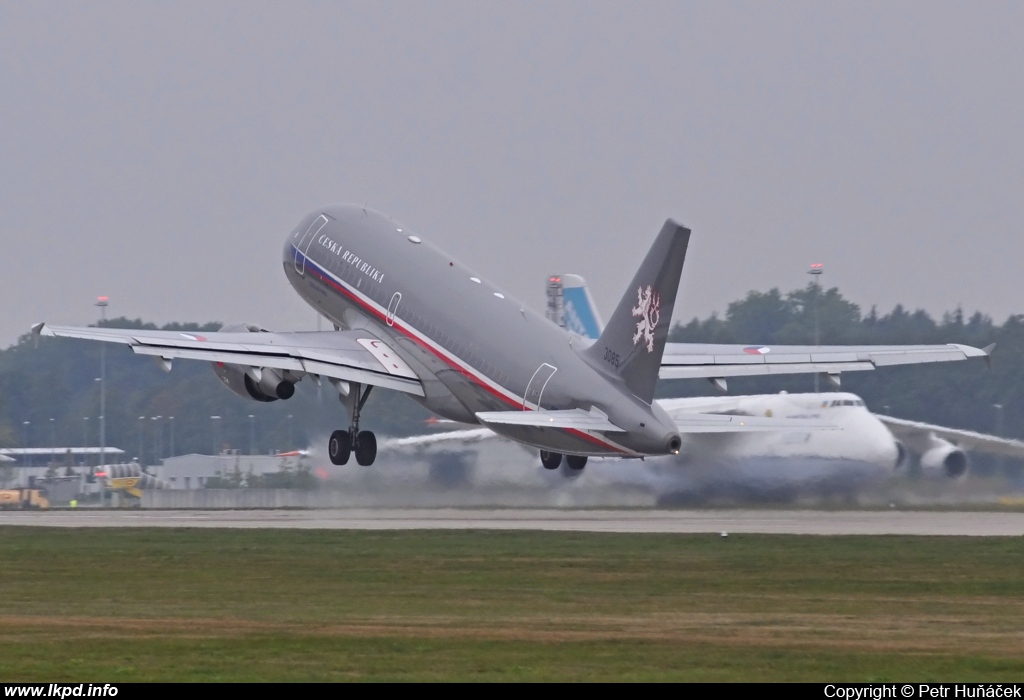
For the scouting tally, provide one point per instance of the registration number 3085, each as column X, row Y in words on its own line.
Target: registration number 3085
column 611, row 358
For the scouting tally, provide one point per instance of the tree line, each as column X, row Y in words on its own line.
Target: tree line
column 965, row 395
column 50, row 393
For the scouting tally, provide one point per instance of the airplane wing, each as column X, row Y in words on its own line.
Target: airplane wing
column 700, row 360
column 980, row 442
column 351, row 356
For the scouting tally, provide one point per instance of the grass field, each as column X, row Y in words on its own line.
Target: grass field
column 287, row 605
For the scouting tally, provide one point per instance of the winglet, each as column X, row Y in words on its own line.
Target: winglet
column 37, row 329
column 988, row 354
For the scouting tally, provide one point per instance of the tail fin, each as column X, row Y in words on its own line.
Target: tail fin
column 633, row 342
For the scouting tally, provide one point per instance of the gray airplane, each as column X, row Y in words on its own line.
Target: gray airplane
column 410, row 318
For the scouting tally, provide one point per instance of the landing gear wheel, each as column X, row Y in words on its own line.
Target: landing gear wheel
column 550, row 460
column 576, row 462
column 366, row 448
column 339, row 447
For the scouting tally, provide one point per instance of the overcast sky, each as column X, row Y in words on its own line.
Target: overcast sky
column 160, row 153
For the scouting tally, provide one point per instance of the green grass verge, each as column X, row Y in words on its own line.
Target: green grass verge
column 283, row 605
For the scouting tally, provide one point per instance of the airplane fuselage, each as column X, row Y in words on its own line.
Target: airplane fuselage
column 861, row 438
column 475, row 348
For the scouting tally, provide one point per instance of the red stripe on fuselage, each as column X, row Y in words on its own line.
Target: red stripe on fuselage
column 327, row 278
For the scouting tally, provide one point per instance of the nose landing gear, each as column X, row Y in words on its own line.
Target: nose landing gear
column 363, row 442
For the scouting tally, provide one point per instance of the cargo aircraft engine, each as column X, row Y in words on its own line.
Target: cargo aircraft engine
column 944, row 459
column 902, row 455
column 257, row 383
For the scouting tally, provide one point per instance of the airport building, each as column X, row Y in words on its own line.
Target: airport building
column 193, row 471
column 65, row 471
column 21, row 466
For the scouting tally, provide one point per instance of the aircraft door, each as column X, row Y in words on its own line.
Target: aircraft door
column 535, row 389
column 393, row 308
column 306, row 240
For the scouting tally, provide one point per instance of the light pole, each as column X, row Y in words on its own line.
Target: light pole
column 816, row 270
column 53, row 434
column 85, row 440
column 102, row 303
column 252, row 434
column 171, row 419
column 215, row 420
column 141, row 423
column 24, row 440
column 290, row 446
column 999, row 433
column 158, row 443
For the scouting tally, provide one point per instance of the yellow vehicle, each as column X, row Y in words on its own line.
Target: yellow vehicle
column 13, row 499
column 128, row 484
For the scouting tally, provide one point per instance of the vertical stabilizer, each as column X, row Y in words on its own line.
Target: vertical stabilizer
column 633, row 342
column 580, row 313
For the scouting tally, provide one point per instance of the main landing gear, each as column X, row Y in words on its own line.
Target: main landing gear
column 553, row 460
column 363, row 442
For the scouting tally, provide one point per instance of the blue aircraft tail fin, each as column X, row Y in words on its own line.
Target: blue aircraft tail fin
column 577, row 310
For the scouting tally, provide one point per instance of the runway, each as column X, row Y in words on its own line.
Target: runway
column 791, row 522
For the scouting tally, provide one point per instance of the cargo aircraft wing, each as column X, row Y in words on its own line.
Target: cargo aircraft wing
column 913, row 431
column 702, row 360
column 350, row 356
column 729, row 423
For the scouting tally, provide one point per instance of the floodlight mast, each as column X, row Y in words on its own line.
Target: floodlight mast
column 102, row 303
column 816, row 271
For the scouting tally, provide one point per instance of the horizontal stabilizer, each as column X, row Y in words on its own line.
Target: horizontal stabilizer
column 576, row 419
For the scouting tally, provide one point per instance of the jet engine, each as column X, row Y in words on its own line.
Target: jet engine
column 945, row 459
column 902, row 455
column 257, row 383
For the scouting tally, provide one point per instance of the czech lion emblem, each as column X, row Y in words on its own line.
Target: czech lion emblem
column 648, row 308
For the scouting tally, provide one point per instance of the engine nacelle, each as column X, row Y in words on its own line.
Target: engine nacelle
column 945, row 459
column 257, row 383
column 902, row 455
